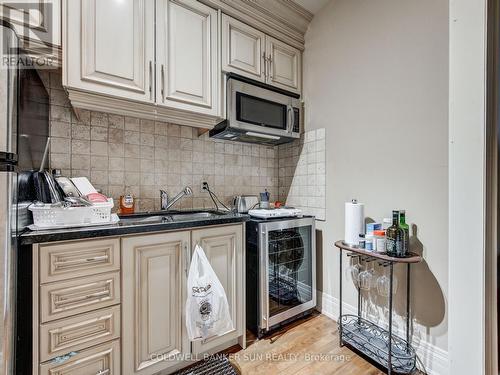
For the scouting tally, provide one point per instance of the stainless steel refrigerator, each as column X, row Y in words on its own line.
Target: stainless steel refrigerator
column 24, row 127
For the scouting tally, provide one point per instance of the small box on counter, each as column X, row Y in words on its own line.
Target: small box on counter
column 371, row 227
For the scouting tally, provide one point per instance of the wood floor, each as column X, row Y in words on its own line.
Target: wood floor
column 309, row 347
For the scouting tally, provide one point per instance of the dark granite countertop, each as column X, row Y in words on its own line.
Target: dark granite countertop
column 139, row 223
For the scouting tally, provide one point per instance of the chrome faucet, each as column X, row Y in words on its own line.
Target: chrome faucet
column 166, row 203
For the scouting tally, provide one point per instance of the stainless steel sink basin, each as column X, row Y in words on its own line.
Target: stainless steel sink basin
column 193, row 216
column 172, row 216
column 148, row 219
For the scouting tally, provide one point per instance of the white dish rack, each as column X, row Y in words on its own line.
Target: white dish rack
column 48, row 216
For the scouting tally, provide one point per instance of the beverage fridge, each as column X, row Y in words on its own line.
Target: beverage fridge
column 24, row 128
column 280, row 271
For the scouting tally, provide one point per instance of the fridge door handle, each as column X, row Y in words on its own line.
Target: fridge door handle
column 8, row 109
column 8, row 262
column 264, row 278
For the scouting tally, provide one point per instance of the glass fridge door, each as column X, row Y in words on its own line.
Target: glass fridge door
column 290, row 272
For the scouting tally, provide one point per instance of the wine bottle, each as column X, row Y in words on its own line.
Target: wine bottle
column 406, row 228
column 394, row 237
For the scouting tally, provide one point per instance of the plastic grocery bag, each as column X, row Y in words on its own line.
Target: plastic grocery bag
column 207, row 310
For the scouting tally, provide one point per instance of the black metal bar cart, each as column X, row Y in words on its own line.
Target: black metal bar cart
column 388, row 351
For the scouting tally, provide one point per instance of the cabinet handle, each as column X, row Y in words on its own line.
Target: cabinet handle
column 104, row 293
column 162, row 83
column 265, row 64
column 63, row 358
column 75, row 262
column 271, row 70
column 186, row 258
column 150, row 80
column 102, row 372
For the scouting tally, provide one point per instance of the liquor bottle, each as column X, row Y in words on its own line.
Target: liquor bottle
column 394, row 237
column 406, row 228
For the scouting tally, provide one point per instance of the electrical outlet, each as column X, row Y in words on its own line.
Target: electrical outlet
column 204, row 186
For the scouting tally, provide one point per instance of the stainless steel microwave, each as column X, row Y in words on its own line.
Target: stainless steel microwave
column 258, row 113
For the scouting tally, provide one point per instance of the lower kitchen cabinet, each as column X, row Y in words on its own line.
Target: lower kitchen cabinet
column 73, row 334
column 68, row 298
column 99, row 360
column 224, row 249
column 121, row 309
column 154, row 270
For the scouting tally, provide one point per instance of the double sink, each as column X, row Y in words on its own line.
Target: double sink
column 170, row 217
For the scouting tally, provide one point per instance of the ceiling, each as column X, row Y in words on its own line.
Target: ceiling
column 312, row 5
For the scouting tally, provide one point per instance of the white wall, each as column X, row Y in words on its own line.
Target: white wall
column 376, row 77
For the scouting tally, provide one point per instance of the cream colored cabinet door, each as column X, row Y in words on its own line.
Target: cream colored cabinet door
column 35, row 20
column 188, row 64
column 242, row 49
column 154, row 271
column 284, row 64
column 109, row 47
column 224, row 249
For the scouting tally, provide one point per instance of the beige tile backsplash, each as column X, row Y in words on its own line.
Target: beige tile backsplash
column 302, row 172
column 122, row 154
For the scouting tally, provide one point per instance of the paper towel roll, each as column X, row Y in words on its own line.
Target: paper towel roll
column 354, row 222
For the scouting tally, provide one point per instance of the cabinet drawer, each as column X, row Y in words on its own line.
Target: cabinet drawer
column 80, row 332
column 100, row 360
column 76, row 259
column 63, row 299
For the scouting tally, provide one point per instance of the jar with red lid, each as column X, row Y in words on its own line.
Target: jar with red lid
column 379, row 241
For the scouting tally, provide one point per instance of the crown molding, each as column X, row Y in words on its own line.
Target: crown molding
column 282, row 19
column 298, row 9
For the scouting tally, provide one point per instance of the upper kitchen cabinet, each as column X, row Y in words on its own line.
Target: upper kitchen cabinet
column 111, row 62
column 188, row 69
column 164, row 59
column 253, row 54
column 284, row 62
column 109, row 47
column 243, row 49
column 38, row 24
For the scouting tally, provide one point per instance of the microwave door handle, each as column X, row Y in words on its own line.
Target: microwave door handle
column 289, row 116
